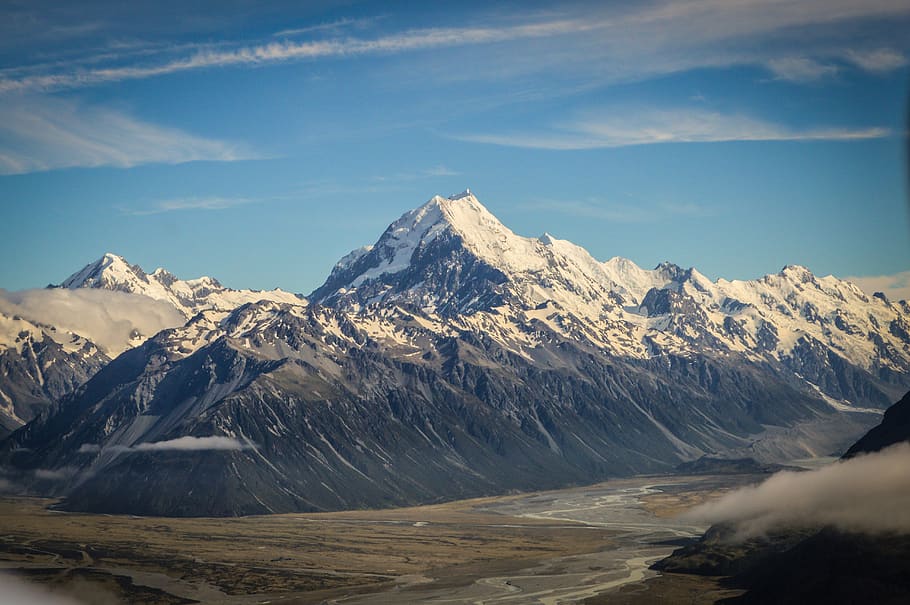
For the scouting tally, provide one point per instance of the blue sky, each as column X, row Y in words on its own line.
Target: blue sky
column 259, row 142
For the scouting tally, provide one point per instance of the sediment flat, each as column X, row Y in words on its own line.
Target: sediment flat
column 547, row 547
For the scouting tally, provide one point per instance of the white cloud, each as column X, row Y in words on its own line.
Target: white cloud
column 640, row 212
column 869, row 493
column 617, row 41
column 191, row 444
column 104, row 317
column 878, row 60
column 332, row 26
column 189, row 203
column 39, row 134
column 16, row 591
column 634, row 126
column 800, row 69
column 57, row 474
column 895, row 286
column 184, row 444
column 434, row 172
column 277, row 52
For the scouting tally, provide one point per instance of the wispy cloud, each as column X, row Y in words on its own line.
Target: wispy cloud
column 189, row 203
column 17, row 590
column 57, row 474
column 801, row 69
column 869, row 494
column 640, row 40
column 434, row 172
column 878, row 60
column 277, row 52
column 895, row 286
column 193, row 444
column 633, row 126
column 621, row 213
column 38, row 134
column 183, row 444
column 332, row 27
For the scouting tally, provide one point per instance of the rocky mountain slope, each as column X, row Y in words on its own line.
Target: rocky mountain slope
column 454, row 358
column 52, row 342
column 38, row 365
column 894, row 428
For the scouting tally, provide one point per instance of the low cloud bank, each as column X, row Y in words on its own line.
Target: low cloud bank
column 17, row 591
column 868, row 494
column 187, row 444
column 192, row 444
column 106, row 318
column 58, row 474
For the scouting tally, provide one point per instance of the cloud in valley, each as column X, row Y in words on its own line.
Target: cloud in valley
column 58, row 474
column 184, row 444
column 104, row 317
column 191, row 444
column 869, row 493
column 17, row 591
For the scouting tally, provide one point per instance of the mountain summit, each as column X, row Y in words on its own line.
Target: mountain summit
column 453, row 256
column 113, row 272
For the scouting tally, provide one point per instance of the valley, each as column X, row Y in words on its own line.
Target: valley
column 545, row 547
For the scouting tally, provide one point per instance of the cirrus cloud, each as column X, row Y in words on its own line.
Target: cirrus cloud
column 623, row 127
column 38, row 134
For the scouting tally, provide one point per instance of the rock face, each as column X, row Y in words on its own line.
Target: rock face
column 38, row 366
column 895, row 427
column 454, row 358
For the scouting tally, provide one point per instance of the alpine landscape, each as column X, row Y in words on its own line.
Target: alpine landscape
column 456, row 412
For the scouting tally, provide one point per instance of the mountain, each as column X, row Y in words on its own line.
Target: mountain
column 451, row 257
column 39, row 365
column 454, row 358
column 894, row 428
column 53, row 340
column 112, row 272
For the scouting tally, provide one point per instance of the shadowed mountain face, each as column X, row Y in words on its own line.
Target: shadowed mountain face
column 802, row 566
column 37, row 371
column 895, row 427
column 454, row 359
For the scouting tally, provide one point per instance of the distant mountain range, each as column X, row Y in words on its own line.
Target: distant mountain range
column 453, row 358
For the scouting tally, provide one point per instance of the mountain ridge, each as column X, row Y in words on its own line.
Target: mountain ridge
column 453, row 347
column 113, row 272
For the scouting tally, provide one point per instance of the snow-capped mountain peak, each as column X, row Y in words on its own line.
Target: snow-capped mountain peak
column 447, row 240
column 113, row 272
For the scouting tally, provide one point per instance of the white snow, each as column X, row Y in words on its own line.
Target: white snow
column 561, row 285
column 113, row 272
